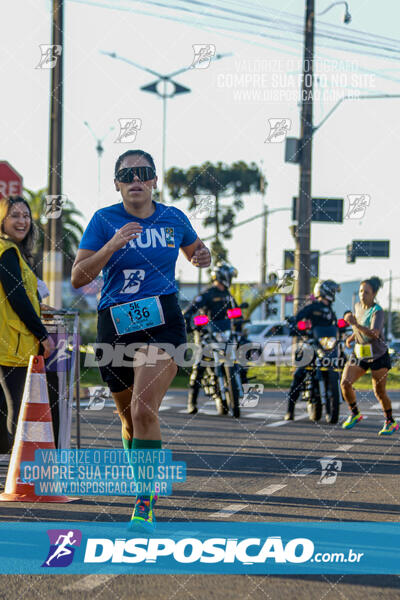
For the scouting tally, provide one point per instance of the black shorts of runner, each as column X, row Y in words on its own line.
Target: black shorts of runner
column 383, row 362
column 119, row 378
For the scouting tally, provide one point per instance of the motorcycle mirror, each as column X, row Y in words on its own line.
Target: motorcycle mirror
column 201, row 320
column 234, row 313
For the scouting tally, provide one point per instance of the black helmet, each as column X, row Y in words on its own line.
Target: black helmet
column 326, row 289
column 223, row 273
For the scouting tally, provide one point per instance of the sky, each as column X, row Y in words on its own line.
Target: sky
column 224, row 118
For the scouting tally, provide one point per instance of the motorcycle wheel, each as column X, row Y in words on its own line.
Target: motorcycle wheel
column 232, row 391
column 314, row 406
column 333, row 397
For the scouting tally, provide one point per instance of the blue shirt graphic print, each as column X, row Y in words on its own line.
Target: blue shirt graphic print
column 145, row 266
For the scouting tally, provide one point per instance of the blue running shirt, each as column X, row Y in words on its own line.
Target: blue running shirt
column 146, row 265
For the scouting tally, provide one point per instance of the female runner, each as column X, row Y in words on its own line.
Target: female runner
column 136, row 244
column 370, row 352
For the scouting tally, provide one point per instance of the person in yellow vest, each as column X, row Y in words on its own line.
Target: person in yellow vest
column 22, row 333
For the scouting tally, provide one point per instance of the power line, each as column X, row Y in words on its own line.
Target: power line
column 286, row 26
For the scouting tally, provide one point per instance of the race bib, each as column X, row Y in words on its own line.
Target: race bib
column 363, row 350
column 137, row 315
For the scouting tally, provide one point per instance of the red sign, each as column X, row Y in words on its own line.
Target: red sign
column 10, row 180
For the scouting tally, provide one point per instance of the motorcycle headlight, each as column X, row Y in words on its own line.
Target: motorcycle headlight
column 221, row 336
column 327, row 343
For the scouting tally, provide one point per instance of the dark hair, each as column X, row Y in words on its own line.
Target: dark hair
column 140, row 153
column 27, row 244
column 374, row 282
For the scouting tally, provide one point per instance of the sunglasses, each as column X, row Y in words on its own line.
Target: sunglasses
column 128, row 174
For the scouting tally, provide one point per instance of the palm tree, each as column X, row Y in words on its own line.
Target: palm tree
column 71, row 228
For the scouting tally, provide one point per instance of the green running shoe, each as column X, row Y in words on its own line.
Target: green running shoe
column 351, row 421
column 389, row 427
column 143, row 518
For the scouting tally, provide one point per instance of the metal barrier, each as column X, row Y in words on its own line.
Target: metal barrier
column 63, row 374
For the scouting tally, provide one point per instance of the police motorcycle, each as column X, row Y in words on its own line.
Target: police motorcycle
column 224, row 372
column 321, row 351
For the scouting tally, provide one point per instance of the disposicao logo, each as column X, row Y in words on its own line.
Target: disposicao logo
column 62, row 547
column 191, row 550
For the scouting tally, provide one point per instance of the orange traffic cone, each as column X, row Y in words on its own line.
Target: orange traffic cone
column 34, row 431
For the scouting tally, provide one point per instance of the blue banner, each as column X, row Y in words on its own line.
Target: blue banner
column 201, row 547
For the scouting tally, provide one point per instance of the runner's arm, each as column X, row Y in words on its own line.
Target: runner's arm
column 89, row 263
column 197, row 253
column 374, row 331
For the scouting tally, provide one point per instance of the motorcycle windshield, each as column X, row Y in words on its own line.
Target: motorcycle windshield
column 326, row 331
column 220, row 325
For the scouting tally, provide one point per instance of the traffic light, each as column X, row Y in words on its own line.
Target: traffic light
column 270, row 309
column 350, row 255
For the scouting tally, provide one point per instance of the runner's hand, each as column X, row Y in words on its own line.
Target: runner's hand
column 48, row 346
column 349, row 341
column 350, row 318
column 128, row 232
column 201, row 258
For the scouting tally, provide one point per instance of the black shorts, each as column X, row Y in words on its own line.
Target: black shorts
column 119, row 378
column 383, row 362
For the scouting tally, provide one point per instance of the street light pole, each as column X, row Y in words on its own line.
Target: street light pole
column 99, row 150
column 164, row 139
column 302, row 232
column 53, row 258
column 153, row 88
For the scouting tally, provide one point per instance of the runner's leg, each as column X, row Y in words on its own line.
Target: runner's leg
column 150, row 385
column 379, row 379
column 123, row 403
column 351, row 373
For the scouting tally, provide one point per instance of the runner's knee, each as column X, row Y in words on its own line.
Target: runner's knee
column 144, row 413
column 346, row 385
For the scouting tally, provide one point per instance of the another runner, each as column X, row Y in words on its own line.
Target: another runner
column 370, row 352
column 136, row 244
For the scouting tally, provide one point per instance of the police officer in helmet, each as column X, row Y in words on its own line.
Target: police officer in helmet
column 320, row 313
column 213, row 302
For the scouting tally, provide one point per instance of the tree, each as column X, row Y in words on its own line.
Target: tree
column 72, row 229
column 253, row 294
column 220, row 181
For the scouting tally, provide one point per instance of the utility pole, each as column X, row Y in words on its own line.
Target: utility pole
column 53, row 258
column 263, row 262
column 304, row 204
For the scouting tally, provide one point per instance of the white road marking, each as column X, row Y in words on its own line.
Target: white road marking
column 259, row 415
column 359, row 440
column 271, row 489
column 228, row 511
column 201, row 411
column 163, row 408
column 377, row 406
column 343, row 448
column 279, row 423
column 4, row 458
column 302, row 472
column 88, row 583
